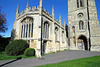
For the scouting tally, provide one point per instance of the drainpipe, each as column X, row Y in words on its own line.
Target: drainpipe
column 41, row 34
column 89, row 26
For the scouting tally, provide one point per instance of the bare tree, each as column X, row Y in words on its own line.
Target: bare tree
column 3, row 22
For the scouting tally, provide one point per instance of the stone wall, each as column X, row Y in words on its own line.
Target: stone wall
column 95, row 43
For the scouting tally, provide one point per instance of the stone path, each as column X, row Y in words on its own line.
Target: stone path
column 48, row 59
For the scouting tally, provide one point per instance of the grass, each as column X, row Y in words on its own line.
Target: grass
column 58, row 51
column 4, row 56
column 84, row 62
column 65, row 49
column 51, row 52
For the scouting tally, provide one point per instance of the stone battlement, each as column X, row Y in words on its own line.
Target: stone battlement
column 34, row 9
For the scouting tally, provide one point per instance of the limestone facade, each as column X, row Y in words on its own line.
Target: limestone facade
column 83, row 25
column 42, row 31
column 46, row 34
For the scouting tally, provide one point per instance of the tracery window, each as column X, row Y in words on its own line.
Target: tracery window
column 27, row 28
column 73, row 28
column 77, row 3
column 74, row 39
column 81, row 25
column 80, row 15
column 62, row 36
column 46, row 30
column 80, row 3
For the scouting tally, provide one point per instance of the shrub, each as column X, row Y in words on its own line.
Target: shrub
column 29, row 52
column 16, row 47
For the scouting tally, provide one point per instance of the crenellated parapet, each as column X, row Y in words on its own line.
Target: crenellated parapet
column 34, row 7
column 45, row 10
column 38, row 10
column 49, row 15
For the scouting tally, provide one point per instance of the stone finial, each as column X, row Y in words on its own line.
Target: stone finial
column 17, row 11
column 27, row 4
column 52, row 10
column 21, row 13
column 40, row 7
column 40, row 3
column 64, row 23
column 60, row 18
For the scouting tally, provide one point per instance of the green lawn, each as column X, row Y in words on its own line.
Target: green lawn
column 84, row 62
column 3, row 56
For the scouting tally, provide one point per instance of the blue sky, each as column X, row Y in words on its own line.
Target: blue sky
column 61, row 7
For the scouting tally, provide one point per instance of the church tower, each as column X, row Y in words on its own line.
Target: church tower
column 83, row 25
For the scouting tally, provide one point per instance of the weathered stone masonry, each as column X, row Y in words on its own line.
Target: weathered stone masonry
column 83, row 25
column 46, row 34
column 41, row 30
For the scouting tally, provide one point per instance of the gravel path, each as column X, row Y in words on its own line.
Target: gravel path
column 48, row 59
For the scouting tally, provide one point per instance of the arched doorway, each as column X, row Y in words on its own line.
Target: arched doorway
column 82, row 43
column 44, row 46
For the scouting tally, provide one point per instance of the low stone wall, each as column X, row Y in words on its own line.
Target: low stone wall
column 95, row 48
column 95, row 43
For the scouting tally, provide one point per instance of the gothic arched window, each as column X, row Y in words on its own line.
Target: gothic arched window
column 32, row 31
column 73, row 29
column 46, row 30
column 80, row 3
column 56, row 34
column 27, row 27
column 74, row 39
column 81, row 25
column 62, row 36
column 77, row 3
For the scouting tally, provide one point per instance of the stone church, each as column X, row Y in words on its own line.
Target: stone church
column 40, row 29
column 45, row 33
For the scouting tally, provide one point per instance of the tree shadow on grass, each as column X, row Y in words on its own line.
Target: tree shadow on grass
column 19, row 58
